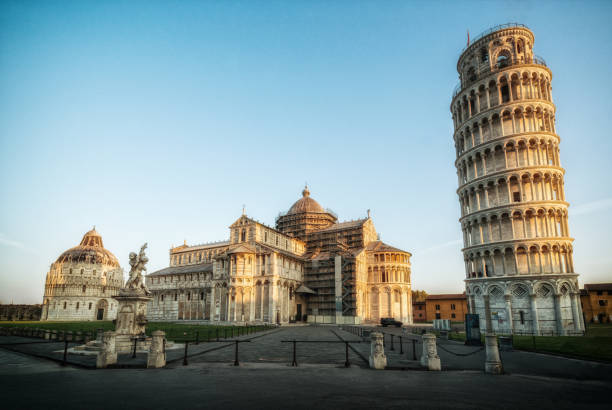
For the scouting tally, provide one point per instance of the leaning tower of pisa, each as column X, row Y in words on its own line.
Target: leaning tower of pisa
column 517, row 248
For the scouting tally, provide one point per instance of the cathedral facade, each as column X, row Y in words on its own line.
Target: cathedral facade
column 310, row 268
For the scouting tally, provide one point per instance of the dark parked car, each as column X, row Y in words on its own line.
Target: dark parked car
column 389, row 321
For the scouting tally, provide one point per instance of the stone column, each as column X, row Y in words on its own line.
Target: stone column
column 535, row 325
column 493, row 363
column 429, row 356
column 212, row 302
column 487, row 306
column 558, row 320
column 108, row 355
column 157, row 353
column 378, row 360
column 576, row 312
column 509, row 312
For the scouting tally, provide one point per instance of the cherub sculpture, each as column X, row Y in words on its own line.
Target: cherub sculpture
column 138, row 262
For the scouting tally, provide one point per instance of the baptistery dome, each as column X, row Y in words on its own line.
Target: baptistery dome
column 90, row 250
column 82, row 281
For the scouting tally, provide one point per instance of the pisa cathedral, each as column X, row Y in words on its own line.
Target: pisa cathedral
column 310, row 267
column 517, row 247
column 81, row 283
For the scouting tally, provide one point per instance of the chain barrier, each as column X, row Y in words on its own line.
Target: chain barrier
column 460, row 354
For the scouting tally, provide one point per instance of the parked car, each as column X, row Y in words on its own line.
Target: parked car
column 389, row 321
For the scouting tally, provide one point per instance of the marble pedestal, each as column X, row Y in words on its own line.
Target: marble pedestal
column 131, row 320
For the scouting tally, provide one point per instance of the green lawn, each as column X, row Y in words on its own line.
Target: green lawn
column 174, row 331
column 596, row 344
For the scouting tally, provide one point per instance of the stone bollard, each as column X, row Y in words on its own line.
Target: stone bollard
column 69, row 336
column 54, row 335
column 429, row 356
column 157, row 353
column 78, row 337
column 99, row 334
column 378, row 360
column 47, row 334
column 108, row 354
column 493, row 362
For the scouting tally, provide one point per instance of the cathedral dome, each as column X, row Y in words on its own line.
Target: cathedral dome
column 305, row 204
column 90, row 250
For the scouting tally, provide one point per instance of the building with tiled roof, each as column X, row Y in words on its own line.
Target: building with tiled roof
column 310, row 267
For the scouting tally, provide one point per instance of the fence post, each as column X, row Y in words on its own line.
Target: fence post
column 236, row 355
column 392, row 348
column 134, row 353
column 294, row 363
column 401, row 346
column 346, row 362
column 378, row 360
column 157, row 353
column 65, row 352
column 414, row 349
column 429, row 357
column 197, row 337
column 493, row 363
column 185, row 355
column 217, row 334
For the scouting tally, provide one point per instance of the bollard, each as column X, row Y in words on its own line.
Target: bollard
column 134, row 352
column 108, row 354
column 47, row 334
column 236, row 363
column 401, row 346
column 378, row 360
column 185, row 355
column 217, row 334
column 493, row 364
column 78, row 337
column 197, row 337
column 392, row 348
column 429, row 357
column 157, row 353
column 294, row 363
column 414, row 349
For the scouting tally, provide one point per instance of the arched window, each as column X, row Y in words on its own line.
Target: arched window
column 522, row 316
column 503, row 60
column 243, row 236
column 89, row 305
column 77, row 306
column 484, row 55
column 84, row 288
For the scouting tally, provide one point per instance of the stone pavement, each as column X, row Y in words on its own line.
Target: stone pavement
column 267, row 348
column 29, row 383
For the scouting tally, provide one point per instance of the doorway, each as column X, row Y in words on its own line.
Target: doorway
column 298, row 315
column 100, row 315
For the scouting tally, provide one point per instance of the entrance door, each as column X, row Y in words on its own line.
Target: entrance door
column 100, row 314
column 298, row 316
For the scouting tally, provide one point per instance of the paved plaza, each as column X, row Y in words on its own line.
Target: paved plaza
column 266, row 379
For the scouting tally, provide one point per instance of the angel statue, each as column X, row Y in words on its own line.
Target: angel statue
column 137, row 262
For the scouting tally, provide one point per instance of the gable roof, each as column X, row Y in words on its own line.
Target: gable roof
column 341, row 226
column 380, row 246
column 173, row 270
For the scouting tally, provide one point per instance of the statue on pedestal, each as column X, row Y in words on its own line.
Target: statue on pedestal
column 132, row 310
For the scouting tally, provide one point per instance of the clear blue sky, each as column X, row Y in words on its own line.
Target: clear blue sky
column 156, row 120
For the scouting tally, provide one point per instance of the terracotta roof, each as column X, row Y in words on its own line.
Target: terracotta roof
column 173, row 270
column 446, row 296
column 598, row 286
column 380, row 246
